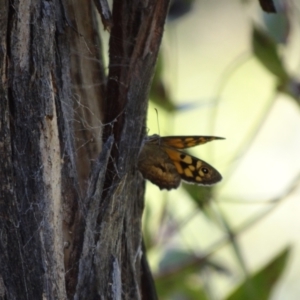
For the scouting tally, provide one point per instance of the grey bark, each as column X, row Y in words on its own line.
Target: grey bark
column 69, row 230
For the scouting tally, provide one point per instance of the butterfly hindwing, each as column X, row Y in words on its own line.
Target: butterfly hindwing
column 156, row 166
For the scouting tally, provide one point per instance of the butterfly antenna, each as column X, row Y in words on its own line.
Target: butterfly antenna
column 157, row 125
column 157, row 120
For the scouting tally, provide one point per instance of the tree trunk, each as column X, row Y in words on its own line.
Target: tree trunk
column 70, row 206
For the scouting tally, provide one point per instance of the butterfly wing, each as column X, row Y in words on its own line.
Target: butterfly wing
column 192, row 169
column 156, row 166
column 182, row 142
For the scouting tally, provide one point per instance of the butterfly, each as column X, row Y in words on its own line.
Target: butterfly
column 162, row 161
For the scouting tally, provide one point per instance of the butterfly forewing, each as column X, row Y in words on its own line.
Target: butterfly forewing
column 182, row 142
column 193, row 169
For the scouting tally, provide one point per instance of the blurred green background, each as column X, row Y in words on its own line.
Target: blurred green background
column 228, row 69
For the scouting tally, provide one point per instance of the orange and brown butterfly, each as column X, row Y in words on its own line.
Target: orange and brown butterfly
column 162, row 161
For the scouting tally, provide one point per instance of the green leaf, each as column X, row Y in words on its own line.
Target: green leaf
column 200, row 195
column 178, row 284
column 265, row 49
column 159, row 94
column 260, row 285
column 180, row 275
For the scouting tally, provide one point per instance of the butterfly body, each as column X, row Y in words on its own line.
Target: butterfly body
column 164, row 163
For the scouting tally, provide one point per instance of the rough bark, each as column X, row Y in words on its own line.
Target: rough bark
column 68, row 230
